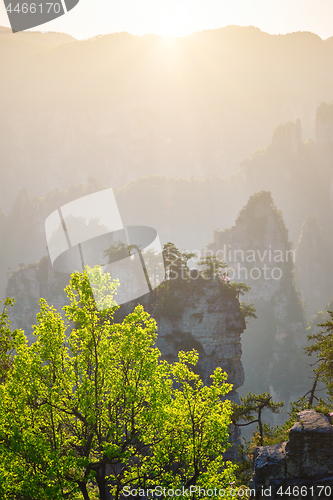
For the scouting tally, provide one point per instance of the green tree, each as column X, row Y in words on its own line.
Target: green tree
column 251, row 408
column 154, row 265
column 91, row 406
column 6, row 341
column 172, row 294
column 212, row 267
column 250, row 411
column 175, row 262
column 323, row 348
column 247, row 311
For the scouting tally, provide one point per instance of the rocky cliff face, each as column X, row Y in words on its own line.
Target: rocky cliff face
column 324, row 123
column 288, row 136
column 303, row 465
column 313, row 270
column 209, row 320
column 28, row 285
column 258, row 253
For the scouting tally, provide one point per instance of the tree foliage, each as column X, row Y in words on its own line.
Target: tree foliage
column 90, row 406
column 6, row 341
column 212, row 266
column 323, row 348
column 176, row 262
column 251, row 408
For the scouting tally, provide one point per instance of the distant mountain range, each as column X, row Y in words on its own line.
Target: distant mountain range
column 120, row 107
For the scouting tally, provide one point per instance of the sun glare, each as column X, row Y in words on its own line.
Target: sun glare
column 175, row 30
column 176, row 22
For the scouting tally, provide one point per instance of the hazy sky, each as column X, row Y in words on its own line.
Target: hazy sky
column 182, row 17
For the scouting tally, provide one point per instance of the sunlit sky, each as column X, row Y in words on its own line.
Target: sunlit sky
column 182, row 17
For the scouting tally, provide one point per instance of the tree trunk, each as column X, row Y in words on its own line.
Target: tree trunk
column 260, row 427
column 83, row 488
column 101, row 482
column 313, row 390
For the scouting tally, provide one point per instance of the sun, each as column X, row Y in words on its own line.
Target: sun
column 177, row 20
column 175, row 29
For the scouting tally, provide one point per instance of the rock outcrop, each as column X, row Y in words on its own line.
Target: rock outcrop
column 259, row 254
column 313, row 270
column 305, row 461
column 324, row 123
column 288, row 136
column 209, row 319
column 28, row 285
